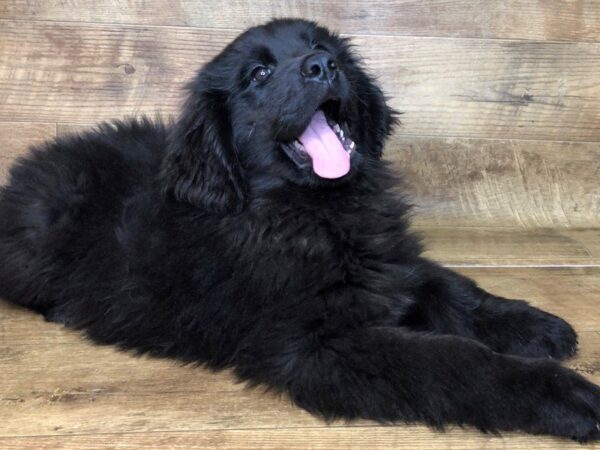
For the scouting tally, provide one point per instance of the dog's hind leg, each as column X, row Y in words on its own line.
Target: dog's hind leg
column 23, row 269
column 40, row 215
column 390, row 374
column 449, row 303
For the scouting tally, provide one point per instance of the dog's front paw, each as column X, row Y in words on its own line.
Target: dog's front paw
column 548, row 336
column 522, row 330
column 571, row 406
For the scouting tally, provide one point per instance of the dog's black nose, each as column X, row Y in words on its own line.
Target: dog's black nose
column 319, row 67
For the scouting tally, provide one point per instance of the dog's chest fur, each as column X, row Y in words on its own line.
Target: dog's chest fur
column 355, row 248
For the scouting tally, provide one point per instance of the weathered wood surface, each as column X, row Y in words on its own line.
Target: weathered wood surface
column 333, row 438
column 507, row 247
column 54, row 383
column 552, row 20
column 65, row 72
column 569, row 292
column 500, row 147
column 456, row 182
column 15, row 138
column 56, row 72
column 475, row 182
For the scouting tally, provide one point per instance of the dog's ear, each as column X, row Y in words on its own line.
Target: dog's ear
column 201, row 166
column 376, row 117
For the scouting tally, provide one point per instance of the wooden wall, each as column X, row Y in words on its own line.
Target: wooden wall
column 501, row 98
column 500, row 142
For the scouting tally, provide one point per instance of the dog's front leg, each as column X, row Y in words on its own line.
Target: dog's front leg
column 390, row 374
column 449, row 303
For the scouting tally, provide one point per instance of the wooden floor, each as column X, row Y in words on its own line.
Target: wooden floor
column 58, row 391
column 499, row 143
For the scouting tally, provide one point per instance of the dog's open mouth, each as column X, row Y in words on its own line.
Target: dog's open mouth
column 324, row 143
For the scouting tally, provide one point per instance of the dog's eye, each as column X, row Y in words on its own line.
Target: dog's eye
column 317, row 46
column 261, row 73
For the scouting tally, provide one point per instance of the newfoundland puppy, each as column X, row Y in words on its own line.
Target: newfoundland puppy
column 262, row 232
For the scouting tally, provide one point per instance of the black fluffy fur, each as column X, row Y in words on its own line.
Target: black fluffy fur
column 202, row 240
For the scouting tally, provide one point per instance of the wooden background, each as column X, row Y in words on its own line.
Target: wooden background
column 500, row 143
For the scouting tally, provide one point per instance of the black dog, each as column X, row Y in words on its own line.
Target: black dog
column 261, row 231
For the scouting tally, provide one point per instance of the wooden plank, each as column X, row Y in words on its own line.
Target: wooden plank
column 103, row 371
column 489, row 89
column 514, row 19
column 591, row 238
column 63, row 129
column 84, row 74
column 492, row 247
column 454, row 247
column 15, row 138
column 63, row 72
column 571, row 293
column 24, row 327
column 474, row 182
column 359, row 438
column 62, row 385
column 80, row 389
column 477, row 183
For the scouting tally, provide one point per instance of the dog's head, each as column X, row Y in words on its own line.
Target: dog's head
column 286, row 101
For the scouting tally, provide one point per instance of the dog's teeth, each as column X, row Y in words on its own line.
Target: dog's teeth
column 349, row 145
column 337, row 128
column 341, row 134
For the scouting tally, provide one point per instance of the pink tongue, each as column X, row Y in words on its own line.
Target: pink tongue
column 329, row 159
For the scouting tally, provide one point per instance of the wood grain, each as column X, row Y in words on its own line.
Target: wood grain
column 515, row 19
column 480, row 183
column 500, row 147
column 64, row 72
column 497, row 246
column 15, row 138
column 61, row 385
column 359, row 438
column 590, row 236
column 568, row 292
column 495, row 183
column 474, row 182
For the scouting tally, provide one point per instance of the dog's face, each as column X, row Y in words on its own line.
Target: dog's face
column 286, row 101
column 293, row 100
